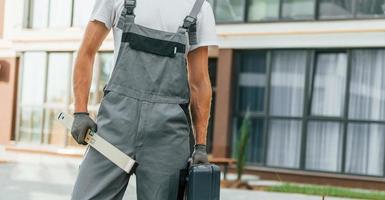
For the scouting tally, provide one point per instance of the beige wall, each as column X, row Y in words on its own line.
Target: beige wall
column 8, row 88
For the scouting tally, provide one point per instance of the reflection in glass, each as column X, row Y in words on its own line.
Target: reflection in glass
column 329, row 84
column 335, row 9
column 230, row 10
column 54, row 132
column 298, row 9
column 284, row 143
column 60, row 13
column 260, row 10
column 370, row 8
column 365, row 149
column 82, row 12
column 255, row 145
column 59, row 66
column 39, row 14
column 287, row 83
column 30, row 125
column 367, row 88
column 105, row 69
column 252, row 81
column 324, row 146
column 33, row 78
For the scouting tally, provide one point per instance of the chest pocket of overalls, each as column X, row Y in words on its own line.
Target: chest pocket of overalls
column 151, row 65
column 154, row 46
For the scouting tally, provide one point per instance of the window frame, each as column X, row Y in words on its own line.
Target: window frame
column 316, row 16
column 67, row 106
column 28, row 11
column 344, row 120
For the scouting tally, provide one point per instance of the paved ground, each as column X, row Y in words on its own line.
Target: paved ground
column 42, row 177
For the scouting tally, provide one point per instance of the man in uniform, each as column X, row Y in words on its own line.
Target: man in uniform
column 160, row 74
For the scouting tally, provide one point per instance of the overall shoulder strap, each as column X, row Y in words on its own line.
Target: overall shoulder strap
column 197, row 8
column 127, row 15
column 189, row 23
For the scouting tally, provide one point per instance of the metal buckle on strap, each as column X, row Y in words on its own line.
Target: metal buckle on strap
column 130, row 3
column 188, row 21
column 130, row 6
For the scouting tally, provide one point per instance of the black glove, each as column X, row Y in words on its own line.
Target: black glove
column 199, row 155
column 82, row 123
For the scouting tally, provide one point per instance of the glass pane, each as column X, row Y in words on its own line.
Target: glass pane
column 329, row 84
column 252, row 81
column 284, row 144
column 82, row 12
column 229, row 10
column 298, row 9
column 370, row 8
column 365, row 149
column 30, row 128
column 255, row 144
column 40, row 13
column 334, row 9
column 58, row 85
column 324, row 146
column 54, row 132
column 60, row 13
column 33, row 79
column 213, row 71
column 367, row 89
column 287, row 83
column 260, row 10
column 105, row 67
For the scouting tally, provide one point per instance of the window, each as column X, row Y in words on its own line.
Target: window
column 288, row 83
column 252, row 81
column 230, row 10
column 334, row 9
column 321, row 111
column 324, row 146
column 60, row 13
column 46, row 91
column 33, row 81
column 105, row 69
column 255, row 146
column 288, row 10
column 298, row 9
column 329, row 84
column 57, row 13
column 57, row 96
column 82, row 12
column 284, row 143
column 59, row 69
column 367, row 88
column 213, row 66
column 262, row 10
column 370, row 8
column 39, row 14
column 365, row 149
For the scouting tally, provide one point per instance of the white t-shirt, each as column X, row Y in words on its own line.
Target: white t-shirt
column 165, row 15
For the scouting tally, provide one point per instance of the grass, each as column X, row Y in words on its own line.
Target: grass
column 328, row 191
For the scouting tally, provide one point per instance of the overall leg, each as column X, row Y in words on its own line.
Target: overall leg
column 163, row 152
column 98, row 177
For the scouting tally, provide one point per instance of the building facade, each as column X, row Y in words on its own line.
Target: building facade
column 310, row 72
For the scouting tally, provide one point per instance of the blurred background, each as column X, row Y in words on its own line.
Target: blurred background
column 311, row 73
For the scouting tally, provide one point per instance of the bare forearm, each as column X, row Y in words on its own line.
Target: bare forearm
column 95, row 33
column 201, row 95
column 82, row 80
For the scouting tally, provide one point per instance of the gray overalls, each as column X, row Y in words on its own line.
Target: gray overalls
column 144, row 113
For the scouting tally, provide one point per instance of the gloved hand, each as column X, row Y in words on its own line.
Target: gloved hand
column 199, row 155
column 82, row 123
